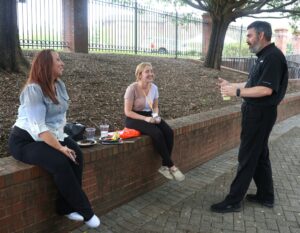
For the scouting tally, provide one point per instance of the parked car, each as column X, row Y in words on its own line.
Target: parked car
column 160, row 45
column 168, row 46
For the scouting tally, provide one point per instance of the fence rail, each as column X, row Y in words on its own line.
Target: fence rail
column 121, row 27
column 40, row 24
column 139, row 29
column 244, row 64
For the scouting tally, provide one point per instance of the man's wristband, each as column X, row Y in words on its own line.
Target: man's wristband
column 238, row 92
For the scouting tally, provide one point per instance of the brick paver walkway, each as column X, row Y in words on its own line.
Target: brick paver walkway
column 184, row 207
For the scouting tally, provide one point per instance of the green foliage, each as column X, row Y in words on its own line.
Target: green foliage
column 236, row 50
column 294, row 23
column 294, row 19
column 289, row 48
column 193, row 53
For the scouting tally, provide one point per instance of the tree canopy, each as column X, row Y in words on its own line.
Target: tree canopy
column 240, row 8
column 223, row 12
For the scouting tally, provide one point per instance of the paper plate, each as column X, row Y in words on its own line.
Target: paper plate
column 109, row 141
column 86, row 143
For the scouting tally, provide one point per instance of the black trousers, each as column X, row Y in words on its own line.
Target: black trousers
column 67, row 175
column 253, row 157
column 162, row 136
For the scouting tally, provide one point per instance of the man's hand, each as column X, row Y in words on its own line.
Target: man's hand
column 228, row 90
column 222, row 82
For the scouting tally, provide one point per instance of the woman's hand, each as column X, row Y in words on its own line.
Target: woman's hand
column 150, row 120
column 48, row 138
column 157, row 120
column 69, row 153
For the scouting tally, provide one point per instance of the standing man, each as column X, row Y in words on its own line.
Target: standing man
column 263, row 91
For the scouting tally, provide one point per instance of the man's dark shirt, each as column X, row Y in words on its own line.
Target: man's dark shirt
column 270, row 70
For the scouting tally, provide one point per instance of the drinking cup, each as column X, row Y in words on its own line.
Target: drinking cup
column 90, row 133
column 225, row 97
column 104, row 130
column 156, row 118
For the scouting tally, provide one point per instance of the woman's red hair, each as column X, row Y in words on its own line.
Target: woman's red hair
column 41, row 73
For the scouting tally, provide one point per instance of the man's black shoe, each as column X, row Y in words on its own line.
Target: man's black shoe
column 253, row 198
column 224, row 207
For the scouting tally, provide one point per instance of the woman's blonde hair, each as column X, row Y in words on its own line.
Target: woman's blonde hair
column 140, row 68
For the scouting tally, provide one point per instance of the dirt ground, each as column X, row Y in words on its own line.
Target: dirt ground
column 97, row 82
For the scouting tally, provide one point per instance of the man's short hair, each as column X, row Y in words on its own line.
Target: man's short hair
column 262, row 26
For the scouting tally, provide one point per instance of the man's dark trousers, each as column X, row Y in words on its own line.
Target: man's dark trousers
column 253, row 158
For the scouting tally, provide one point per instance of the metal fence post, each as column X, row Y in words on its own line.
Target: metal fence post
column 135, row 26
column 241, row 38
column 176, row 35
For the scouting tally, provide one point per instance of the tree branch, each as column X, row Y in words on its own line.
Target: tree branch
column 268, row 17
column 250, row 10
column 200, row 5
column 253, row 12
column 284, row 5
column 255, row 5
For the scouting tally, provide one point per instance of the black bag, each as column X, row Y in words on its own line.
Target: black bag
column 75, row 130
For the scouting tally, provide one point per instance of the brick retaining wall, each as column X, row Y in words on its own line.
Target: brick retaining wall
column 115, row 174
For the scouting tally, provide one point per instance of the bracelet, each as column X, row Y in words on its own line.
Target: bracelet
column 238, row 92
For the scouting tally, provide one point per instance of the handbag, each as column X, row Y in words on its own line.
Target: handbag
column 129, row 133
column 75, row 130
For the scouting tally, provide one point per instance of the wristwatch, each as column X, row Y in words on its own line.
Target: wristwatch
column 238, row 92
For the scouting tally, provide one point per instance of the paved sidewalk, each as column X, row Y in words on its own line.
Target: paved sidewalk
column 184, row 207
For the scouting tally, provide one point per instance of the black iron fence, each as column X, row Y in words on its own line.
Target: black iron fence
column 121, row 26
column 40, row 24
column 294, row 66
column 239, row 63
column 244, row 64
column 134, row 28
column 235, row 42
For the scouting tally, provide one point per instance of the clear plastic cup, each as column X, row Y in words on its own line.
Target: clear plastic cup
column 104, row 130
column 154, row 114
column 90, row 133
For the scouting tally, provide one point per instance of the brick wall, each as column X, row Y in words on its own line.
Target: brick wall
column 75, row 25
column 206, row 28
column 281, row 38
column 296, row 43
column 115, row 174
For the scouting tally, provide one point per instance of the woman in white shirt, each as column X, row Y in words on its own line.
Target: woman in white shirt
column 141, row 110
column 38, row 138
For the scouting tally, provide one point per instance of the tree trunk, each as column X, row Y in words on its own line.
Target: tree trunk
column 11, row 56
column 213, row 58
